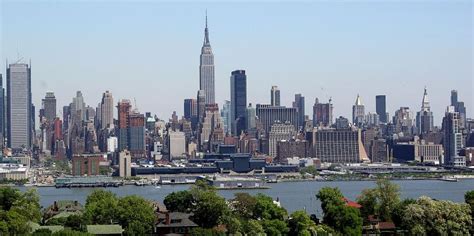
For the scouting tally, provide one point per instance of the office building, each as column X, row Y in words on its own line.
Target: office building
column 238, row 101
column 459, row 107
column 251, row 116
column 107, row 111
column 190, row 108
column 275, row 96
column 206, row 69
column 177, row 144
column 125, row 164
column 342, row 123
column 78, row 106
column 358, row 112
column 299, row 104
column 123, row 109
column 225, row 115
column 339, row 146
column 403, row 121
column 424, row 118
column 49, row 107
column 201, row 104
column 322, row 113
column 381, row 108
column 2, row 114
column 136, row 134
column 379, row 151
column 20, row 117
column 268, row 115
column 86, row 164
column 452, row 138
column 292, row 148
column 278, row 132
column 418, row 151
column 372, row 119
column 211, row 124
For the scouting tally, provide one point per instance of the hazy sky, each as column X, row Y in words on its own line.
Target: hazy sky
column 150, row 50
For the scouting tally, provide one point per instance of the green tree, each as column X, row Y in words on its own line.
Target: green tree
column 136, row 215
column 368, row 201
column 28, row 205
column 181, row 201
column 75, row 222
column 8, row 196
column 300, row 223
column 265, row 208
column 344, row 219
column 253, row 227
column 243, row 205
column 469, row 199
column 17, row 223
column 381, row 200
column 274, row 227
column 209, row 208
column 397, row 213
column 433, row 217
column 101, row 207
column 389, row 197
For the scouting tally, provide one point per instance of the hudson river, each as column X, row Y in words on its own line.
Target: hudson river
column 292, row 195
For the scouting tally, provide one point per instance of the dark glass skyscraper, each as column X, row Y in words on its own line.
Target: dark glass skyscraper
column 238, row 100
column 381, row 108
column 49, row 107
column 299, row 104
column 19, row 107
column 2, row 113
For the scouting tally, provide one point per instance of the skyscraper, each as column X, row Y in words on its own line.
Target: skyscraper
column 458, row 107
column 424, row 118
column 19, row 107
column 403, row 121
column 268, row 115
column 381, row 108
column 452, row 141
column 225, row 115
column 358, row 112
column 206, row 69
column 49, row 107
column 190, row 108
column 2, row 113
column 322, row 113
column 275, row 96
column 299, row 104
column 277, row 133
column 238, row 100
column 251, row 117
column 123, row 109
column 201, row 104
column 136, row 134
column 78, row 106
column 107, row 110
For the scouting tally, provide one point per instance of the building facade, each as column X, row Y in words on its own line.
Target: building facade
column 107, row 110
column 339, row 146
column 268, row 115
column 279, row 132
column 358, row 112
column 275, row 96
column 381, row 108
column 452, row 138
column 322, row 113
column 238, row 101
column 206, row 69
column 20, row 117
column 424, row 118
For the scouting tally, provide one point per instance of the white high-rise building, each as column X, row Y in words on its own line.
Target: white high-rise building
column 177, row 144
column 452, row 141
column 278, row 133
column 206, row 69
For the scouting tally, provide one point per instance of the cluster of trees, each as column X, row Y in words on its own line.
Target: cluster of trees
column 243, row 215
column 17, row 209
column 423, row 216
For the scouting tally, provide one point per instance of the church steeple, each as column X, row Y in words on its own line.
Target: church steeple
column 206, row 34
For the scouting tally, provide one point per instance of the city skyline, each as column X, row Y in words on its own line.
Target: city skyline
column 261, row 73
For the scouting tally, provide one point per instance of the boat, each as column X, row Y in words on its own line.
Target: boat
column 449, row 179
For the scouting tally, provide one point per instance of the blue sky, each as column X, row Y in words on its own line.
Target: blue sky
column 149, row 50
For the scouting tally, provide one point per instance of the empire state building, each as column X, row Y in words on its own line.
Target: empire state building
column 206, row 69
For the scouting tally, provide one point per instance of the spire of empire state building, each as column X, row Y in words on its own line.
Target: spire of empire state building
column 206, row 69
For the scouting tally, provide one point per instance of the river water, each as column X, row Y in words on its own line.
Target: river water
column 292, row 195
